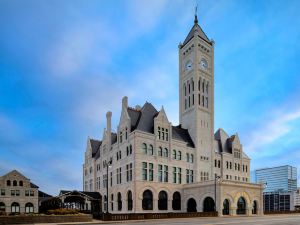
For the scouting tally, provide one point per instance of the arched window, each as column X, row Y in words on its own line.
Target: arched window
column 226, row 207
column 2, row 207
column 254, row 207
column 174, row 154
column 144, row 148
column 241, row 206
column 20, row 183
column 192, row 158
column 147, row 201
column 150, row 152
column 176, row 202
column 29, row 208
column 166, row 153
column 191, row 205
column 163, row 200
column 112, row 202
column 15, row 207
column 15, row 183
column 179, row 155
column 119, row 201
column 208, row 205
column 129, row 200
column 160, row 151
column 184, row 90
column 8, row 183
column 193, row 88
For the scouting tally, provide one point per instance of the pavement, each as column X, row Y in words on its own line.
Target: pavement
column 286, row 219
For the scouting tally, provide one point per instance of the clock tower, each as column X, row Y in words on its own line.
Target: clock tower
column 196, row 97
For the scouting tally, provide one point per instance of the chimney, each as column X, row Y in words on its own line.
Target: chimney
column 108, row 128
column 125, row 102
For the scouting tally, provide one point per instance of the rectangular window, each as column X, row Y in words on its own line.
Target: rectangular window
column 187, row 176
column 17, row 192
column 111, row 179
column 150, row 171
column 187, row 157
column 12, row 192
column 144, row 171
column 179, row 175
column 31, row 193
column 2, row 192
column 166, row 173
column 226, row 164
column 160, row 173
column 174, row 175
column 120, row 169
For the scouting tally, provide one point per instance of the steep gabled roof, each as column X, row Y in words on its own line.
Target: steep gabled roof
column 191, row 34
column 178, row 133
column 143, row 119
column 95, row 145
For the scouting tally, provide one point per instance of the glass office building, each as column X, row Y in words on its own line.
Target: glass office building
column 278, row 179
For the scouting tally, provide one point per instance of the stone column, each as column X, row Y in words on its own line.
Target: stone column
column 232, row 211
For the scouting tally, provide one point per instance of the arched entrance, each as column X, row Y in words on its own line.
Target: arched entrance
column 129, row 200
column 241, row 206
column 2, row 207
column 15, row 207
column 147, row 201
column 29, row 208
column 226, row 207
column 191, row 205
column 254, row 207
column 163, row 200
column 176, row 203
column 208, row 205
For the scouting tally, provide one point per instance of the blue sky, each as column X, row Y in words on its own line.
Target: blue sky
column 63, row 64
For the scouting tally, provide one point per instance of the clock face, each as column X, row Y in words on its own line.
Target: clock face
column 189, row 66
column 203, row 64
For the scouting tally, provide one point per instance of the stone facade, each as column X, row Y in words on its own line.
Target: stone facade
column 158, row 167
column 18, row 194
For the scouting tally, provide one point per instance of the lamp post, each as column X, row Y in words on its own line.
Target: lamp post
column 108, row 165
column 217, row 178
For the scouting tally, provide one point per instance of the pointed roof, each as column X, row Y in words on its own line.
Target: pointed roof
column 195, row 28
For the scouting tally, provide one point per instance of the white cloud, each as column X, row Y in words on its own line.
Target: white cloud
column 274, row 128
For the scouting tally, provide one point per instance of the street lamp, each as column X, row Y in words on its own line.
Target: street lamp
column 108, row 165
column 217, row 178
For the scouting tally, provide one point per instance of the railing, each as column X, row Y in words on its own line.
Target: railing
column 280, row 212
column 145, row 216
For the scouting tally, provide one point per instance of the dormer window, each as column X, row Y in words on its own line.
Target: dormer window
column 237, row 153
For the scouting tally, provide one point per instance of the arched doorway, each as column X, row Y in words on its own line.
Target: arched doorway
column 2, row 207
column 29, row 208
column 191, row 205
column 176, row 202
column 241, row 206
column 147, row 201
column 15, row 207
column 254, row 207
column 119, row 200
column 162, row 200
column 226, row 207
column 208, row 205
column 129, row 200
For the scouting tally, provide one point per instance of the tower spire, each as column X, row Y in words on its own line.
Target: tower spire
column 196, row 18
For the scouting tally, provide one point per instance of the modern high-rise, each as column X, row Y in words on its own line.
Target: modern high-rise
column 278, row 179
column 148, row 165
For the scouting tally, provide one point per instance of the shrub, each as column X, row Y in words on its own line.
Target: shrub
column 62, row 211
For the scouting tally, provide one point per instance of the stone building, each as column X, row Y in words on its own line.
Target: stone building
column 152, row 166
column 18, row 194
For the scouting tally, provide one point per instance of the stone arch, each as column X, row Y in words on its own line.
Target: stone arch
column 201, row 200
column 208, row 204
column 242, row 194
column 241, row 206
column 226, row 207
column 141, row 191
column 191, row 205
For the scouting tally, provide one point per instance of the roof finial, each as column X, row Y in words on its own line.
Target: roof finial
column 196, row 19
